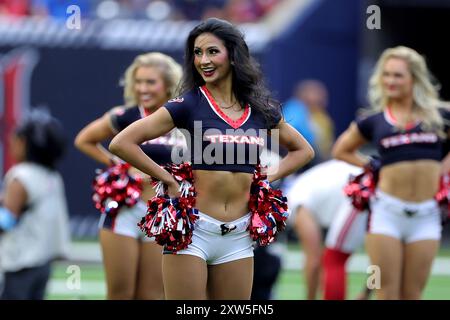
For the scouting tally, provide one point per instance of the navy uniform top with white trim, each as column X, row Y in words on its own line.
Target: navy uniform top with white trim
column 395, row 144
column 215, row 141
column 159, row 149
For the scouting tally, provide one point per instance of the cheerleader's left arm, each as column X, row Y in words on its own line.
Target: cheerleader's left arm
column 299, row 154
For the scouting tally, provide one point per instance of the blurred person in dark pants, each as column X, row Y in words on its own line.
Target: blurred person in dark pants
column 266, row 268
column 34, row 226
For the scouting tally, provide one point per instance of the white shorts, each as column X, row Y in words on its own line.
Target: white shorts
column 126, row 222
column 347, row 230
column 406, row 221
column 217, row 242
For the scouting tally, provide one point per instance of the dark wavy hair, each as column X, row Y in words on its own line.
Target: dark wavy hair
column 248, row 84
column 44, row 136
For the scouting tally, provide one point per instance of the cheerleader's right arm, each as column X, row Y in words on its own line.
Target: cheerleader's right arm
column 89, row 139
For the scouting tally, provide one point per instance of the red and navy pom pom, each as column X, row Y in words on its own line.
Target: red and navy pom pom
column 360, row 189
column 171, row 221
column 269, row 210
column 442, row 197
column 114, row 187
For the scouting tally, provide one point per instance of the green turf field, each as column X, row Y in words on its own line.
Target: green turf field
column 290, row 285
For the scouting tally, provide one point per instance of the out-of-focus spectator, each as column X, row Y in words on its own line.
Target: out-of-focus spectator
column 34, row 221
column 296, row 113
column 315, row 96
column 266, row 269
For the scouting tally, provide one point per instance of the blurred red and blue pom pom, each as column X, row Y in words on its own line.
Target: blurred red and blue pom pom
column 171, row 221
column 442, row 197
column 114, row 187
column 361, row 188
column 269, row 210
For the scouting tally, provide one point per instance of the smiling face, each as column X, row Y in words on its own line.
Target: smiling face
column 149, row 87
column 211, row 59
column 397, row 79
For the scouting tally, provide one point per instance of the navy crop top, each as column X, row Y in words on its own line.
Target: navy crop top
column 159, row 149
column 215, row 141
column 395, row 144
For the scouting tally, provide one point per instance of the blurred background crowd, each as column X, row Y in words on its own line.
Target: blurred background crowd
column 238, row 11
